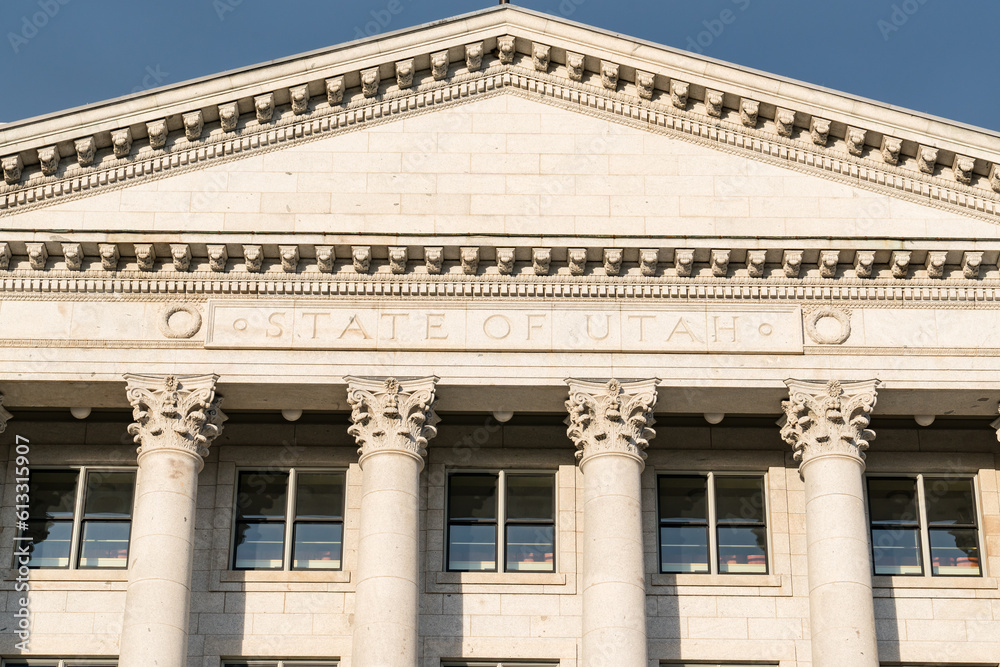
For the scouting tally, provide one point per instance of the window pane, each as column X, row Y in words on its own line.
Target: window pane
column 109, row 494
column 317, row 546
column 684, row 548
column 739, row 499
column 530, row 549
column 896, row 550
column 683, row 498
column 472, row 497
column 259, row 546
column 955, row 552
column 53, row 494
column 319, row 495
column 949, row 501
column 50, row 547
column 105, row 544
column 893, row 500
column 472, row 548
column 742, row 549
column 262, row 494
column 530, row 497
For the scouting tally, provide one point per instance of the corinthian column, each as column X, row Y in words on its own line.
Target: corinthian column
column 176, row 420
column 827, row 426
column 610, row 426
column 393, row 420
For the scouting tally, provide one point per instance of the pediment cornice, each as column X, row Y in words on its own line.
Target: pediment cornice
column 656, row 89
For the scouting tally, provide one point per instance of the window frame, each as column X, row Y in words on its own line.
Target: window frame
column 502, row 521
column 712, row 520
column 288, row 535
column 923, row 529
column 59, row 662
column 79, row 500
column 279, row 662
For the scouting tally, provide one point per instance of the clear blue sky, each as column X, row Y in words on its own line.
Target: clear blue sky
column 935, row 56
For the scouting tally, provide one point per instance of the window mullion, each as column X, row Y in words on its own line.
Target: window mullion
column 713, row 542
column 289, row 519
column 74, row 544
column 501, row 522
column 925, row 538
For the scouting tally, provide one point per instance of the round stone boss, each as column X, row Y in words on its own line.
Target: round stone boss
column 176, row 329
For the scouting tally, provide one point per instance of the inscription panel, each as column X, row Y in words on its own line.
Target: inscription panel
column 540, row 327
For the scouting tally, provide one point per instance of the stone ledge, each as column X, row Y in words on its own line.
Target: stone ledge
column 936, row 583
column 721, row 584
column 502, row 578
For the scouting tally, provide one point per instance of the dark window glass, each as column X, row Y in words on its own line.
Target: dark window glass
column 683, row 523
column 472, row 522
column 472, row 547
column 684, row 548
column 893, row 501
column 107, row 519
column 50, row 517
column 319, row 512
column 262, row 495
column 260, row 528
column 472, row 497
column 50, row 542
column 259, row 546
column 530, row 497
column 319, row 495
column 683, row 498
column 530, row 523
column 530, row 548
column 741, row 531
column 53, row 494
column 892, row 506
column 952, row 527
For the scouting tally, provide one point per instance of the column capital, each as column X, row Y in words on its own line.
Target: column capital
column 392, row 415
column 5, row 416
column 829, row 418
column 611, row 417
column 174, row 412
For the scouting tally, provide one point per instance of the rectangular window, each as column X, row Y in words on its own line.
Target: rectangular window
column 916, row 520
column 516, row 507
column 279, row 663
column 712, row 524
column 79, row 525
column 56, row 662
column 289, row 520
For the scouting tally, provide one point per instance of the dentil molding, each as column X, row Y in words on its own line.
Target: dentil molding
column 611, row 418
column 391, row 415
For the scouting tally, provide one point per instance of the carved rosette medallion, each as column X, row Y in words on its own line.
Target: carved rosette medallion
column 174, row 412
column 611, row 418
column 391, row 415
column 829, row 418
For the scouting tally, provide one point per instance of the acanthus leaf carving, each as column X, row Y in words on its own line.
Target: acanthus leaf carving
column 361, row 257
column 899, row 263
column 121, row 142
column 679, row 94
column 612, row 261
column 994, row 177
column 48, row 159
column 540, row 57
column 156, row 132
column 109, row 256
column 819, row 130
column 644, row 84
column 390, row 415
column 927, row 159
column 784, row 122
column 935, row 263
column 864, row 262
column 648, row 260
column 470, row 260
column 720, row 263
column 73, row 256
column 971, row 262
column 577, row 260
column 505, row 49
column 828, row 262
column 325, row 256
column 791, row 263
column 5, row 255
column 335, row 90
column 299, row 97
column 574, row 65
column 229, row 116
column 253, row 257
column 756, row 261
column 264, row 106
column 855, row 140
column 828, row 418
column 684, row 261
column 612, row 418
column 218, row 257
column 180, row 253
column 404, row 73
column 439, row 65
column 748, row 112
column 174, row 412
column 434, row 259
column 289, row 255
column 541, row 259
column 890, row 149
column 398, row 256
column 713, row 103
column 609, row 75
column 369, row 81
column 963, row 169
column 38, row 255
column 145, row 256
column 474, row 56
column 505, row 261
column 86, row 149
column 194, row 124
column 12, row 166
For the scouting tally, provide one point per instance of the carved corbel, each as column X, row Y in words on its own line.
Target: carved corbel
column 684, row 261
column 12, row 167
column 325, row 256
column 748, row 112
column 121, row 142
column 713, row 102
column 434, row 260
column 156, row 132
column 470, row 260
column 819, row 130
column 828, row 419
column 927, row 159
column 971, row 262
column 935, row 263
column 995, row 177
column 756, row 261
column 194, row 124
column 229, row 116
column 180, row 254
column 174, row 412
column 611, row 419
column 612, row 261
column 73, row 256
column 890, row 149
column 720, row 263
column 253, row 257
column 5, row 255
column 86, row 149
column 264, row 106
column 864, row 262
column 679, row 94
column 439, row 65
column 828, row 261
column 398, row 256
column 334, row 90
column 963, row 169
column 540, row 57
column 649, row 259
column 644, row 84
column 361, row 257
column 289, row 255
column 577, row 260
column 609, row 75
column 5, row 415
column 541, row 259
column 574, row 65
column 145, row 256
column 784, row 122
column 505, row 261
column 48, row 159
column 474, row 56
column 218, row 257
column 855, row 140
column 791, row 263
column 369, row 81
column 505, row 49
column 404, row 73
column 109, row 256
column 899, row 263
column 299, row 97
column 38, row 255
column 390, row 416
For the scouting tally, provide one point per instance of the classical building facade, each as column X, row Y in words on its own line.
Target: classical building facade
column 538, row 346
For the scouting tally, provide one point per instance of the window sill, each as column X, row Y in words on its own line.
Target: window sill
column 727, row 584
column 280, row 580
column 82, row 580
column 502, row 578
column 936, row 583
